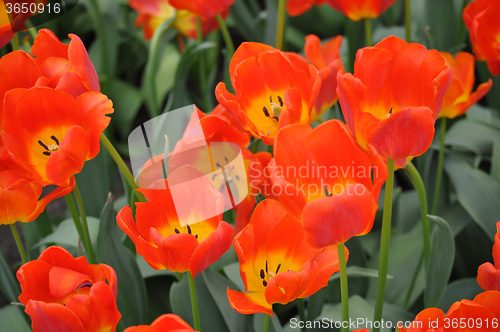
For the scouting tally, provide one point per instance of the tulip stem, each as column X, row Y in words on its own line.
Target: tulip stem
column 225, row 35
column 202, row 68
column 194, row 302
column 408, row 20
column 439, row 174
column 267, row 320
column 104, row 63
column 15, row 42
column 74, row 214
column 280, row 30
column 343, row 286
column 418, row 184
column 384, row 244
column 302, row 312
column 87, row 242
column 19, row 243
column 368, row 31
column 122, row 166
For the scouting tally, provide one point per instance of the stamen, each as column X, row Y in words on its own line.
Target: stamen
column 270, row 98
column 275, row 118
column 43, row 145
column 390, row 111
column 46, row 153
column 266, row 112
column 280, row 101
column 218, row 165
column 266, row 267
column 176, row 231
column 278, row 268
column 326, row 192
column 264, row 283
column 262, row 274
column 227, row 161
column 55, row 139
column 85, row 284
column 196, row 236
column 237, row 178
column 189, row 229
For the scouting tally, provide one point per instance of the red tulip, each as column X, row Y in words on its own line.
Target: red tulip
column 277, row 264
column 327, row 60
column 164, row 323
column 62, row 293
column 459, row 96
column 488, row 275
column 174, row 235
column 392, row 100
column 481, row 19
column 359, row 9
column 203, row 8
column 273, row 89
column 298, row 7
column 332, row 188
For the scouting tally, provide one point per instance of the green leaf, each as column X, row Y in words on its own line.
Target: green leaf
column 358, row 271
column 477, row 192
column 441, row 20
column 8, row 284
column 466, row 288
column 274, row 324
column 148, row 272
column 246, row 21
column 131, row 298
column 232, row 271
column 495, row 160
column 127, row 100
column 440, row 262
column 13, row 319
column 66, row 234
column 479, row 137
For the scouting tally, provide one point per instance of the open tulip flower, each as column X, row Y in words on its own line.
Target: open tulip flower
column 327, row 186
column 481, row 19
column 62, row 293
column 488, row 275
column 273, row 89
column 169, row 239
column 359, row 9
column 327, row 60
column 164, row 323
column 459, row 96
column 203, row 8
column 392, row 100
column 152, row 13
column 277, row 264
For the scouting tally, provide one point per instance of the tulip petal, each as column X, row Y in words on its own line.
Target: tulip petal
column 249, row 303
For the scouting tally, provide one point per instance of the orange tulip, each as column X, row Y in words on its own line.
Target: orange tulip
column 298, row 7
column 273, row 89
column 358, row 9
column 50, row 134
column 203, row 8
column 488, row 275
column 164, row 323
column 62, row 293
column 159, row 233
column 152, row 13
column 392, row 100
column 481, row 19
column 327, row 60
column 277, row 265
column 459, row 96
column 329, row 187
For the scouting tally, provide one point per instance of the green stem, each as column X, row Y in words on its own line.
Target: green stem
column 19, row 243
column 105, row 66
column 418, row 184
column 15, row 42
column 203, row 71
column 225, row 35
column 384, row 245
column 194, row 302
column 343, row 286
column 31, row 29
column 368, row 32
column 74, row 214
column 280, row 30
column 267, row 320
column 413, row 281
column 302, row 312
column 87, row 242
column 408, row 20
column 439, row 174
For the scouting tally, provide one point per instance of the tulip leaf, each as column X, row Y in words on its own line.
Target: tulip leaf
column 210, row 316
column 246, row 21
column 466, row 288
column 8, row 284
column 358, row 271
column 232, row 271
column 274, row 324
column 441, row 20
column 479, row 138
column 440, row 262
column 66, row 234
column 131, row 298
column 495, row 161
column 13, row 320
column 477, row 192
column 127, row 100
